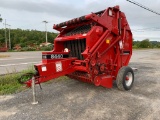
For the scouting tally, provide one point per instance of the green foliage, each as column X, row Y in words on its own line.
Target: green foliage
column 47, row 48
column 135, row 44
column 27, row 37
column 1, row 19
column 9, row 82
column 158, row 45
column 145, row 44
column 28, row 49
column 23, row 45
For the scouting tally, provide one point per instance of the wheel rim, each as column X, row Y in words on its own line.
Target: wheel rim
column 129, row 79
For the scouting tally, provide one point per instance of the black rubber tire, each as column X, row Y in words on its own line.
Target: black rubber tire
column 121, row 78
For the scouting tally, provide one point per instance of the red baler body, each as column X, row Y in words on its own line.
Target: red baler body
column 91, row 48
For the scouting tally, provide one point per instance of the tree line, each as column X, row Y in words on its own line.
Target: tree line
column 26, row 37
column 146, row 43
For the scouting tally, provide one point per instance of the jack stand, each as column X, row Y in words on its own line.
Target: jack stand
column 33, row 92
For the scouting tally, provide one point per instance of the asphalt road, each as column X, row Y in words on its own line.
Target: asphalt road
column 75, row 100
column 18, row 61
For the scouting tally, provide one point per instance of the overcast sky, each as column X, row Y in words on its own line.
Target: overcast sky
column 29, row 14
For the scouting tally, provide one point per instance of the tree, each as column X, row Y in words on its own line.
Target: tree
column 145, row 44
column 0, row 18
column 27, row 37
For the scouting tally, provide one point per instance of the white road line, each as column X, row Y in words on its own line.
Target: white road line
column 18, row 58
column 18, row 64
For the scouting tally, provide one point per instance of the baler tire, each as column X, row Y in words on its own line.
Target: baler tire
column 122, row 82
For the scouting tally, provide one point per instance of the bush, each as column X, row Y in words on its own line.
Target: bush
column 134, row 47
column 145, row 44
column 28, row 49
column 47, row 48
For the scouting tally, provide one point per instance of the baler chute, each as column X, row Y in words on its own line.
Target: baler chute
column 95, row 48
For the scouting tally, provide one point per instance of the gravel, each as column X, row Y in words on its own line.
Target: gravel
column 75, row 100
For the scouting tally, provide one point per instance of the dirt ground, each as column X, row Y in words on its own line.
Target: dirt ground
column 74, row 100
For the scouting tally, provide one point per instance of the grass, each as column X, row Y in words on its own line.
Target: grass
column 9, row 83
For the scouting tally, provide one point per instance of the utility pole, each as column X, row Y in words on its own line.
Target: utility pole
column 5, row 34
column 9, row 37
column 46, row 30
